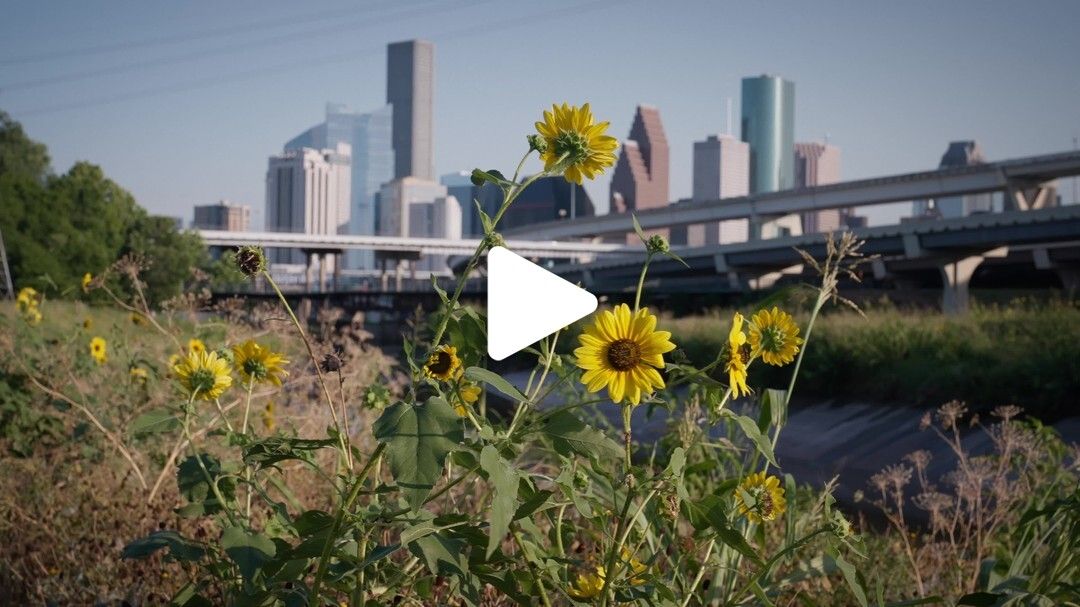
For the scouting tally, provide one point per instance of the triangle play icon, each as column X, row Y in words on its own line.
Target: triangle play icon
column 526, row 303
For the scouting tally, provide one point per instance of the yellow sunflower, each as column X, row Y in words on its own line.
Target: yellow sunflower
column 32, row 316
column 98, row 350
column 268, row 417
column 86, row 280
column 27, row 299
column 203, row 374
column 443, row 363
column 633, row 567
column 87, row 323
column 738, row 357
column 256, row 363
column 574, row 143
column 470, row 393
column 138, row 375
column 196, row 345
column 760, row 497
column 623, row 352
column 588, row 584
column 774, row 337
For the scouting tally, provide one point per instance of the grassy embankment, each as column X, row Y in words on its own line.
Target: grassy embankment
column 1025, row 354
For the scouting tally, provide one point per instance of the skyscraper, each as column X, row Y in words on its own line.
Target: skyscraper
column 768, row 125
column 460, row 186
column 640, row 178
column 818, row 164
column 416, row 207
column 721, row 170
column 958, row 154
column 547, row 199
column 410, row 69
column 308, row 191
column 369, row 135
column 222, row 216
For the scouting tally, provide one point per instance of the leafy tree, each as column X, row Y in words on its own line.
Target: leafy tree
column 58, row 227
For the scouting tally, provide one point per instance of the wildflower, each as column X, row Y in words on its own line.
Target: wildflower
column 86, row 280
column 203, row 374
column 98, row 348
column 196, row 346
column 27, row 299
column 32, row 317
column 634, row 567
column 623, row 352
column 760, row 497
column 738, row 357
column 469, row 393
column 87, row 323
column 774, row 337
column 443, row 363
column 536, row 142
column 657, row 244
column 138, row 375
column 250, row 260
column 588, row 585
column 268, row 417
column 138, row 319
column 256, row 363
column 575, row 146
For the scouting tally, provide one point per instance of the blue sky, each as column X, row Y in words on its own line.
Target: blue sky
column 181, row 103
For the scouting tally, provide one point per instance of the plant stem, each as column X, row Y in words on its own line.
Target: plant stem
column 202, row 466
column 641, row 281
column 324, row 559
column 318, row 370
column 700, row 574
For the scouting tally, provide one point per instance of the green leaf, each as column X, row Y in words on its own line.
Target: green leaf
column 191, row 479
column 773, row 409
column 442, row 554
column 489, row 176
column 637, row 228
column 154, row 421
column 495, row 381
column 250, row 551
column 850, row 577
column 418, row 439
column 269, row 451
column 189, row 596
column 532, row 502
column 980, row 599
column 503, row 505
column 711, row 511
column 180, row 548
column 312, row 522
column 750, row 429
column 571, row 435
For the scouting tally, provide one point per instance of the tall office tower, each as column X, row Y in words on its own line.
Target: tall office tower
column 308, row 191
column 369, row 135
column 640, row 179
column 222, row 216
column 419, row 208
column 721, row 170
column 460, row 186
column 547, row 199
column 768, row 125
column 410, row 73
column 958, row 154
column 819, row 164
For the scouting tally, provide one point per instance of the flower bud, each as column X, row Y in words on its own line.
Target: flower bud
column 250, row 260
column 656, row 244
column 494, row 239
column 538, row 143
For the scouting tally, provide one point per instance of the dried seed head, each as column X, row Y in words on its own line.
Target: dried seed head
column 250, row 260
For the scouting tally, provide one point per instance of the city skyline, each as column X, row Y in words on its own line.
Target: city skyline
column 907, row 95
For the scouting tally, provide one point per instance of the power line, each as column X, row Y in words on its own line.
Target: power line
column 190, row 36
column 269, row 41
column 202, row 83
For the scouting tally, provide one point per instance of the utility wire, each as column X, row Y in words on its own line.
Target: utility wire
column 306, row 63
column 219, row 32
column 230, row 48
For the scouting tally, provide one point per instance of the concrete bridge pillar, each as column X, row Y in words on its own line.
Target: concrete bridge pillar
column 1069, row 273
column 1030, row 196
column 323, row 259
column 309, row 269
column 956, row 277
column 337, row 271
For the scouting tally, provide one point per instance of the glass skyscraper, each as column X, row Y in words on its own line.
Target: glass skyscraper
column 370, row 136
column 768, row 125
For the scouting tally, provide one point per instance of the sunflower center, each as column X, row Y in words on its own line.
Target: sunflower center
column 202, row 381
column 744, row 353
column 255, row 369
column 441, row 364
column 573, row 144
column 773, row 339
column 623, row 354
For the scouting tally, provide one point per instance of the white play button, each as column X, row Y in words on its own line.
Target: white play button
column 526, row 303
